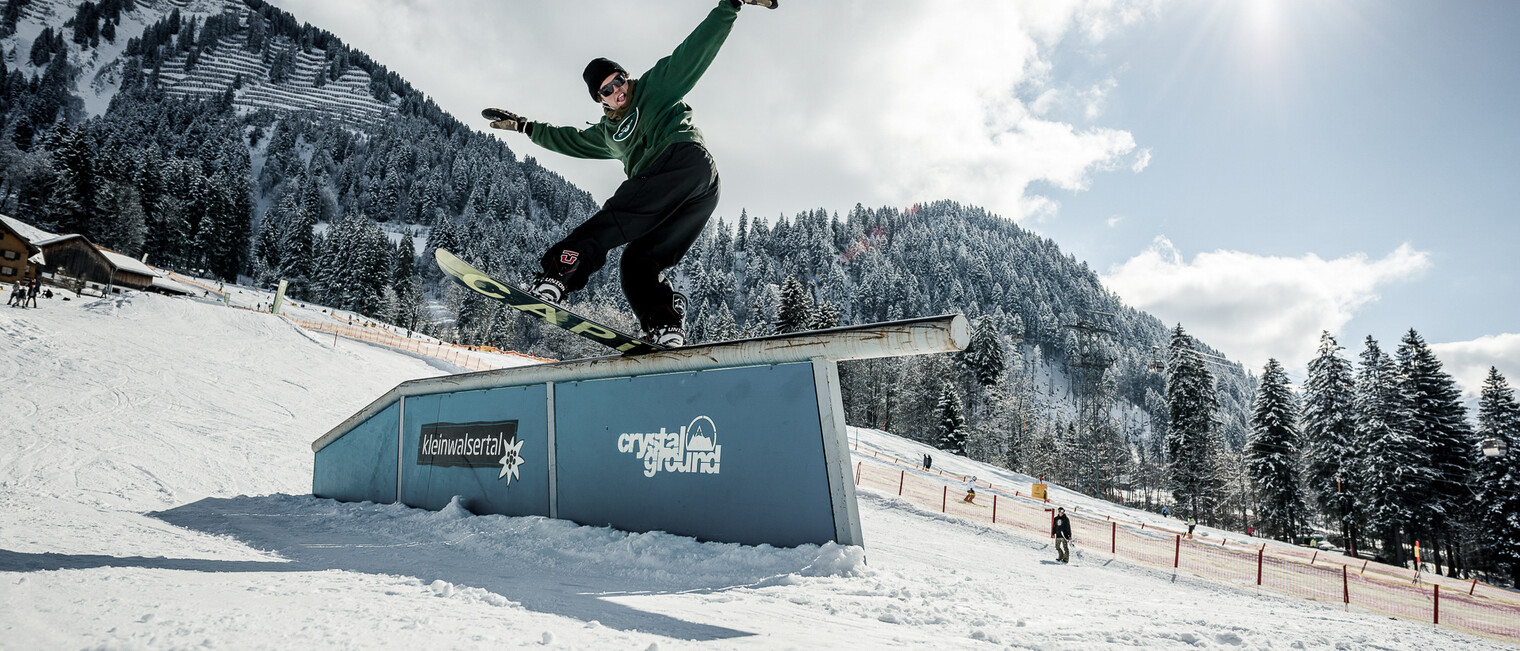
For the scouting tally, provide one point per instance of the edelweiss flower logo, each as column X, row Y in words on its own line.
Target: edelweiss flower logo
column 511, row 461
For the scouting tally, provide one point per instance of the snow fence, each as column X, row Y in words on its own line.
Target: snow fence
column 1380, row 588
column 735, row 442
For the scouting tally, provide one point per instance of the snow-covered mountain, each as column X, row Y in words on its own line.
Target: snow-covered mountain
column 154, row 493
column 240, row 61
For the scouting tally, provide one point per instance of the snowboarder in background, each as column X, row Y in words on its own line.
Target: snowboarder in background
column 928, row 461
column 1060, row 527
column 672, row 187
column 1165, row 512
column 971, row 489
column 1191, row 523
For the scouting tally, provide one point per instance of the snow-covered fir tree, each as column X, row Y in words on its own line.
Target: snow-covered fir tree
column 1438, row 420
column 1193, row 442
column 1496, row 480
column 984, row 357
column 795, row 313
column 1331, row 450
column 1272, row 455
column 1396, row 477
column 950, row 430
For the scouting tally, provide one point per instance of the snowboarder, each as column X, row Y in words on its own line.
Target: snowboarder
column 971, row 489
column 672, row 187
column 1166, row 512
column 1060, row 527
column 928, row 461
column 1191, row 523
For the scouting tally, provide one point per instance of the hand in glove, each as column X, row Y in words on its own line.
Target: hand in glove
column 768, row 4
column 504, row 120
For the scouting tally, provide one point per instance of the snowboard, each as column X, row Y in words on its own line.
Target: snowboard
column 551, row 313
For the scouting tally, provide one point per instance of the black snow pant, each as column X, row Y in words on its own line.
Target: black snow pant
column 659, row 215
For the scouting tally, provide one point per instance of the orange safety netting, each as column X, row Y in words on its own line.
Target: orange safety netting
column 1304, row 573
column 457, row 355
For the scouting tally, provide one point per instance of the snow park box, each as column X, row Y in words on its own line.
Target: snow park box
column 738, row 442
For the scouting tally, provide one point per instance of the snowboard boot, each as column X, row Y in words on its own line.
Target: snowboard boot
column 673, row 336
column 547, row 288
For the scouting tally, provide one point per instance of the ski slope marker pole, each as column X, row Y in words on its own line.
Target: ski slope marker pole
column 944, row 500
column 1436, row 617
column 1177, row 557
column 902, row 476
column 857, row 473
column 1345, row 587
column 1261, row 555
column 1113, row 539
column 994, row 520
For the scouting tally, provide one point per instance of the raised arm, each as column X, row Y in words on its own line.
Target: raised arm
column 678, row 73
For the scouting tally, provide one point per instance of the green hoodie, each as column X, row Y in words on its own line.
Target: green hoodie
column 660, row 116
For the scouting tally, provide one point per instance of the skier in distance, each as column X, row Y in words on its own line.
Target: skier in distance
column 672, row 187
column 1060, row 529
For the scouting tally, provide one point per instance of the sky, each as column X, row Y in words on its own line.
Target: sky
column 1256, row 170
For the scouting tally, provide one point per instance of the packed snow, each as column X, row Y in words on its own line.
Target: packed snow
column 155, row 493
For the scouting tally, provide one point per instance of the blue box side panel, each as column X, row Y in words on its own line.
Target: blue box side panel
column 520, row 412
column 360, row 465
column 731, row 455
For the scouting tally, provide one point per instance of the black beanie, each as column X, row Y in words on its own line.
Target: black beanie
column 598, row 70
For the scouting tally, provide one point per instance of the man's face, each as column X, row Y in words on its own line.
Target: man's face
column 617, row 82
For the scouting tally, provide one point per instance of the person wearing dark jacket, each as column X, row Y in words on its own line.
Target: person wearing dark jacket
column 672, row 187
column 1060, row 527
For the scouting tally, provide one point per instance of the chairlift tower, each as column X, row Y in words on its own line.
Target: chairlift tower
column 1092, row 361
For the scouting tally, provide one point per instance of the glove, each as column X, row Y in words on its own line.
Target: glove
column 504, row 120
column 768, row 4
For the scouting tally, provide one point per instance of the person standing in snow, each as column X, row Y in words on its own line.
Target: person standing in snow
column 971, row 489
column 672, row 187
column 1060, row 527
column 18, row 295
column 36, row 289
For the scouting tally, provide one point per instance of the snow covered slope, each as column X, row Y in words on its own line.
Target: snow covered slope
column 154, row 488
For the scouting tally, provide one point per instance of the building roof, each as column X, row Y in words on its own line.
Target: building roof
column 27, row 231
column 38, row 237
column 127, row 263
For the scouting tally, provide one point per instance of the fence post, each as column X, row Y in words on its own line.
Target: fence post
column 1315, row 558
column 1437, row 615
column 994, row 521
column 1345, row 587
column 1364, row 565
column 857, row 473
column 1177, row 558
column 1261, row 555
column 944, row 500
column 1113, row 538
column 902, row 475
column 1474, row 587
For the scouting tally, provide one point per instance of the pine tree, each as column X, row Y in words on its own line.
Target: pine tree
column 985, row 357
column 1438, row 421
column 950, row 431
column 796, row 311
column 1193, row 442
column 1396, row 476
column 1496, row 480
column 1331, row 449
column 1272, row 455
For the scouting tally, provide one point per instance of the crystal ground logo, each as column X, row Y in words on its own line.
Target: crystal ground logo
column 472, row 445
column 692, row 449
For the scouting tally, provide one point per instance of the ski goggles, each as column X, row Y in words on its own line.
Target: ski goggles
column 612, row 86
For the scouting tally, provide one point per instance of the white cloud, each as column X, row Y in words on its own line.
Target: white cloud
column 1114, row 221
column 1142, row 160
column 1254, row 307
column 816, row 104
column 1468, row 361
